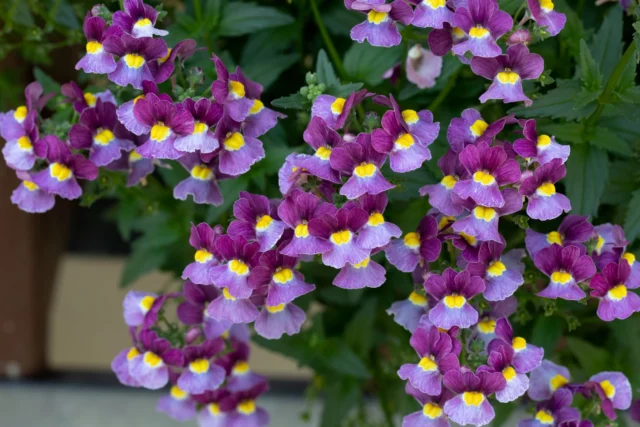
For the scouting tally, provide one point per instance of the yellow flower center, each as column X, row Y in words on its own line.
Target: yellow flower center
column 133, row 60
column 238, row 267
column 478, row 32
column 412, row 240
column 484, row 213
column 202, row 173
column 546, row 5
column 599, row 244
column 146, row 303
column 263, row 222
column 554, row 237
column 365, row 170
column 256, row 107
column 375, row 219
column 519, row 343
column 629, row 257
column 90, row 99
column 236, row 89
column 199, row 366
column 275, row 308
column 484, row 178
column 160, row 132
column 20, row 114
column 94, row 47
column 246, row 407
column 29, row 185
column 199, row 127
column 337, row 106
column 376, row 17
column 302, row 230
column 24, row 143
column 341, row 237
column 143, row 22
column 362, row 264
column 166, row 57
column 561, row 277
column 283, row 276
column 473, row 398
column 543, row 141
column 509, row 373
column 410, row 116
column 202, row 256
column 324, row 153
column 557, row 381
column 427, row 364
column 417, row 299
column 227, row 295
column 234, row 142
column 134, row 156
column 487, row 326
column 103, row 137
column 178, row 394
column 546, row 190
column 152, row 359
column 60, row 172
column 545, row 417
column 241, row 368
column 478, row 127
column 445, row 222
column 404, row 141
column 609, row 389
column 214, row 409
column 454, row 301
column 496, row 269
column 471, row 240
column 617, row 293
column 431, row 410
column 457, row 33
column 449, row 181
column 435, row 4
column 133, row 352
column 508, row 77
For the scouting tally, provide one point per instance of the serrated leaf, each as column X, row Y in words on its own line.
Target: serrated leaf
column 295, row 101
column 589, row 71
column 239, row 18
column 607, row 42
column 324, row 70
column 632, row 219
column 609, row 141
column 345, row 90
column 367, row 63
column 557, row 103
column 587, row 176
column 630, row 95
column 623, row 180
column 569, row 132
column 585, row 97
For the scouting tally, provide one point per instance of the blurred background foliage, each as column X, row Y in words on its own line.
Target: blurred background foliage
column 352, row 344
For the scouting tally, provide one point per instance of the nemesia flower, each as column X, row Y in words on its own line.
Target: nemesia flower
column 635, row 411
column 486, row 326
column 136, row 166
column 335, row 111
column 323, row 140
column 377, row 232
column 238, row 152
column 436, row 354
column 484, row 23
column 540, row 148
column 576, row 423
column 482, row 222
column 243, row 409
column 441, row 41
column 522, row 36
column 341, row 230
column 610, row 241
column 136, row 305
column 554, row 411
column 192, row 310
column 275, row 321
column 380, row 28
column 276, row 271
column 422, row 66
column 205, row 115
column 100, row 132
column 431, row 414
column 417, row 247
column 611, row 288
column 453, row 291
column 290, row 175
column 543, row 13
column 507, row 73
column 121, row 363
column 471, row 405
column 431, row 13
column 471, row 128
column 227, row 308
column 441, row 195
column 566, row 267
column 12, row 121
column 18, row 152
column 150, row 367
column 177, row 405
column 488, row 168
column 97, row 60
column 502, row 275
column 138, row 19
column 64, row 168
column 574, row 230
column 501, row 361
column 202, row 239
column 367, row 273
column 240, row 377
column 200, row 374
column 630, row 258
column 546, row 379
column 81, row 100
column 125, row 112
column 29, row 197
column 614, row 390
column 239, row 258
column 234, row 91
column 165, row 122
column 202, row 181
column 407, row 313
column 135, row 54
column 526, row 357
column 260, row 120
column 257, row 219
column 163, row 67
column 211, row 413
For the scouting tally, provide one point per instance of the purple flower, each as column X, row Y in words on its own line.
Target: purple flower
column 507, row 73
column 539, row 148
column 367, row 273
column 471, row 128
column 138, row 19
column 407, row 313
column 126, row 114
column 163, row 67
column 100, row 132
column 610, row 241
column 239, row 258
column 436, row 354
column 501, row 361
column 484, row 23
column 380, row 28
column 18, row 152
column 275, row 321
column 81, row 100
column 554, row 411
column 200, row 374
column 177, row 405
column 212, row 412
column 431, row 14
column 543, row 14
column 29, row 197
column 227, row 308
column 611, row 288
column 165, row 122
column 335, row 111
column 486, row 326
column 238, row 151
column 482, row 222
column 97, row 60
column 441, row 195
column 488, row 168
column 205, row 115
column 192, row 310
column 240, row 377
column 362, row 163
column 431, row 414
column 260, row 120
column 423, row 66
column 64, row 168
column 547, row 379
column 136, row 166
column 341, row 231
column 234, row 91
column 614, row 391
column 502, row 275
column 453, row 291
column 135, row 53
column 566, row 267
column 520, row 36
column 323, row 140
column 416, row 248
column 202, row 239
column 12, row 121
column 471, row 405
column 574, row 230
column 377, row 232
column 150, row 368
column 202, row 182
column 136, row 305
column 576, row 423
column 290, row 175
column 441, row 41
column 634, row 276
column 257, row 219
column 526, row 358
column 243, row 409
column 635, row 411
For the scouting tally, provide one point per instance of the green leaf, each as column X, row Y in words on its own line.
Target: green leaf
column 359, row 331
column 587, row 175
column 590, row 73
column 47, row 82
column 229, row 189
column 557, row 103
column 631, row 94
column 339, row 398
column 21, row 14
column 339, row 20
column 343, row 91
column 141, row 262
column 591, row 358
column 623, row 180
column 64, row 15
column 239, row 18
column 609, row 141
column 632, row 219
column 547, row 331
column 607, row 42
column 267, row 70
column 367, row 63
column 570, row 132
column 324, row 70
column 510, row 6
column 295, row 101
column 343, row 360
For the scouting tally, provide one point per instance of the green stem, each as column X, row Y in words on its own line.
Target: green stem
column 197, row 9
column 445, row 91
column 604, row 98
column 327, row 40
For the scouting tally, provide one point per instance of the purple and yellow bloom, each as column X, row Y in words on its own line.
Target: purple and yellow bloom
column 526, row 357
column 484, row 23
column 136, row 305
column 227, row 308
column 441, row 195
column 486, row 326
column 501, row 361
column 417, row 247
column 82, row 100
column 614, row 390
column 296, row 210
column 423, row 67
column 380, row 27
column 367, row 273
column 205, row 115
column 543, row 13
column 19, row 152
column 488, row 168
column 150, row 367
column 441, row 41
column 100, row 132
column 377, row 232
column 290, row 175
column 136, row 166
column 335, row 111
column 610, row 242
column 238, row 151
column 566, row 267
column 341, row 231
column 97, row 60
column 234, row 91
column 237, row 258
column 200, row 374
column 471, row 405
column 436, row 359
column 202, row 239
column 138, row 19
column 240, row 377
column 611, row 288
column 260, row 120
column 135, row 54
column 576, row 423
column 125, row 112
column 540, row 148
column 202, row 182
column 165, row 122
column 431, row 414
column 519, row 36
column 407, row 312
column 29, row 197
column 362, row 163
column 162, row 68
column 257, row 219
column 121, row 363
column 502, row 275
column 574, row 230
column 431, row 13
column 507, row 73
column 64, row 168
column 453, row 291
column 177, row 405
column 275, row 321
column 323, row 140
column 192, row 310
column 211, row 413
column 243, row 410
column 471, row 128
column 284, row 283
column 554, row 411
column 546, row 380
column 12, row 121
column 482, row 221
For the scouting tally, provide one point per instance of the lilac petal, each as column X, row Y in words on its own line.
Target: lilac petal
column 149, row 376
column 344, row 253
column 427, row 381
column 458, row 411
column 284, row 293
column 273, row 325
column 516, row 387
column 446, row 318
column 197, row 383
column 227, row 308
column 358, row 276
column 402, row 256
